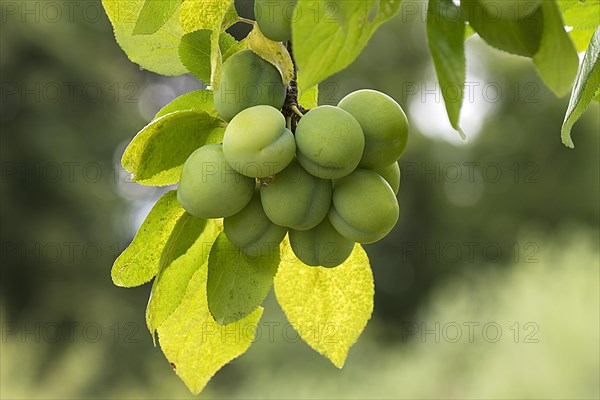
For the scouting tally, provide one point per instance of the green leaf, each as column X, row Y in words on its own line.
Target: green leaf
column 154, row 14
column 273, row 52
column 239, row 46
column 446, row 36
column 157, row 52
column 226, row 42
column 194, row 52
column 185, row 252
column 522, row 37
column 156, row 155
column 328, row 307
column 198, row 100
column 140, row 261
column 328, row 35
column 204, row 14
column 195, row 345
column 510, row 9
column 237, row 283
column 587, row 84
column 557, row 59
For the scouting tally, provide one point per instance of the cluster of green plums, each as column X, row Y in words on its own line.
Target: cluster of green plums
column 330, row 184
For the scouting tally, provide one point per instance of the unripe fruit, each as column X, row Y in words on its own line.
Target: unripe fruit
column 296, row 199
column 274, row 18
column 384, row 124
column 329, row 142
column 391, row 174
column 252, row 231
column 246, row 81
column 321, row 246
column 257, row 143
column 365, row 208
column 210, row 188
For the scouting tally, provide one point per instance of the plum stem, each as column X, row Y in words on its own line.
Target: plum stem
column 291, row 107
column 246, row 20
column 297, row 111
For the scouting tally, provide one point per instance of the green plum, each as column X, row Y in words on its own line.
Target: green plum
column 296, row 199
column 321, row 246
column 274, row 18
column 330, row 142
column 365, row 208
column 384, row 124
column 257, row 143
column 246, row 81
column 392, row 175
column 252, row 231
column 210, row 188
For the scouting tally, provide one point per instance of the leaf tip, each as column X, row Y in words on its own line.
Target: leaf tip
column 566, row 138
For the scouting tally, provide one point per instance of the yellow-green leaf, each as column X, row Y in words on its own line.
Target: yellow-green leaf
column 185, row 252
column 581, row 38
column 156, row 155
column 140, row 261
column 198, row 100
column 203, row 14
column 194, row 344
column 309, row 98
column 157, row 52
column 273, row 52
column 154, row 14
column 328, row 307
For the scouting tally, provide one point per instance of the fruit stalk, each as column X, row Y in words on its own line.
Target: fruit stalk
column 291, row 100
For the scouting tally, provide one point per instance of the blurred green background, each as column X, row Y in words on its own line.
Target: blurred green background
column 487, row 288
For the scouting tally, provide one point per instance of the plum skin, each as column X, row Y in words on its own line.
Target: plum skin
column 329, row 142
column 296, row 199
column 252, row 231
column 257, row 143
column 210, row 188
column 274, row 18
column 384, row 124
column 392, row 175
column 246, row 81
column 365, row 208
column 321, row 246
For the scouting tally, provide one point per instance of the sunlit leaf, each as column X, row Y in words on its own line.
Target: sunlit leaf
column 140, row 261
column 195, row 345
column 273, row 52
column 157, row 52
column 156, row 155
column 198, row 100
column 328, row 307
column 203, row 14
column 185, row 252
column 154, row 14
